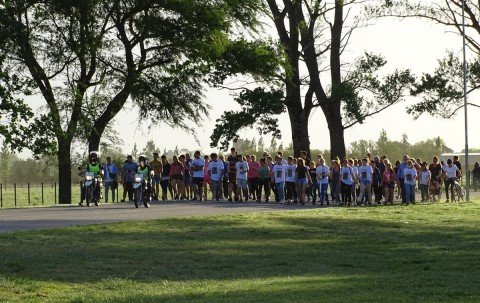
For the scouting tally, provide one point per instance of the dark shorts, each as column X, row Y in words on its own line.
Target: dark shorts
column 197, row 180
column 177, row 177
column 156, row 179
column 232, row 178
column 188, row 179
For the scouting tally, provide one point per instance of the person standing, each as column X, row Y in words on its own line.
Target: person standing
column 165, row 178
column 388, row 183
column 241, row 167
column 264, row 177
column 290, row 181
column 278, row 178
column 110, row 172
column 376, row 179
column 176, row 177
column 303, row 178
column 157, row 167
column 476, row 176
column 253, row 167
column 366, row 178
column 424, row 180
column 436, row 173
column 323, row 173
column 451, row 172
column 232, row 174
column 347, row 180
column 313, row 185
column 409, row 182
column 401, row 177
column 198, row 175
column 335, row 181
column 216, row 173
column 129, row 170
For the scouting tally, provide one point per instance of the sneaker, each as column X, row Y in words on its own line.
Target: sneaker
column 80, row 204
column 447, row 201
column 123, row 200
column 240, row 200
column 229, row 199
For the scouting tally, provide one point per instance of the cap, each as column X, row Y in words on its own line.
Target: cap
column 442, row 160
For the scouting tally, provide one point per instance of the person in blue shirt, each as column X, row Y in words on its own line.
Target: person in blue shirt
column 110, row 172
column 129, row 170
column 401, row 176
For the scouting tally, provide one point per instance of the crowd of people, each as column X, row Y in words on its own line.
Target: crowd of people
column 240, row 178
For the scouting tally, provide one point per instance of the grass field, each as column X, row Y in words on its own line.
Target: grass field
column 423, row 253
column 7, row 195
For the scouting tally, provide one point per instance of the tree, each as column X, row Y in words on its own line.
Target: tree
column 442, row 91
column 149, row 149
column 155, row 52
column 6, row 159
column 349, row 96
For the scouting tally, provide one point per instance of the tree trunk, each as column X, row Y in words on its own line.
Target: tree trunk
column 337, row 140
column 299, row 126
column 64, row 172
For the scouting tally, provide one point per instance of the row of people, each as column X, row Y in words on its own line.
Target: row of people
column 241, row 178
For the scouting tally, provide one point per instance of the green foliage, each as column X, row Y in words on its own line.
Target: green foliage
column 259, row 107
column 394, row 150
column 442, row 92
column 261, row 59
column 364, row 93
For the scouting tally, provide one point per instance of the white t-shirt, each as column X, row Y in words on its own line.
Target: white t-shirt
column 451, row 172
column 198, row 162
column 346, row 175
column 410, row 175
column 279, row 172
column 215, row 169
column 322, row 174
column 425, row 175
column 365, row 173
column 242, row 169
column 290, row 173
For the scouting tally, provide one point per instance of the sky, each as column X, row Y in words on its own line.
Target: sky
column 412, row 44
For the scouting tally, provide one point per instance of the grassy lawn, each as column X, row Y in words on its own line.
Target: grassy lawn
column 422, row 253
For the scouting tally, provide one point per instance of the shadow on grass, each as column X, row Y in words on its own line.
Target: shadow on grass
column 363, row 250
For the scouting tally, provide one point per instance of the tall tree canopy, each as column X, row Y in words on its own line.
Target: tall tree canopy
column 87, row 58
column 313, row 36
column 442, row 91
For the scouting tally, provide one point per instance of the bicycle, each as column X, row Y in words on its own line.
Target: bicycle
column 458, row 191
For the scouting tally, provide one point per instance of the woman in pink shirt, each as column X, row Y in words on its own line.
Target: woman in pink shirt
column 388, row 183
column 252, row 177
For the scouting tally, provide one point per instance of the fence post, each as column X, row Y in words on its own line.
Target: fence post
column 42, row 193
column 28, row 191
column 55, row 186
column 1, row 195
column 15, row 193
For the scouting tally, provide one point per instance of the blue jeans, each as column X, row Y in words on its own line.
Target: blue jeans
column 409, row 193
column 109, row 186
column 280, row 190
column 323, row 187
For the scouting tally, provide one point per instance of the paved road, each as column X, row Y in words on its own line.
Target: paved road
column 61, row 216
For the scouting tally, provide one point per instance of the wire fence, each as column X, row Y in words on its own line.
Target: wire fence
column 33, row 194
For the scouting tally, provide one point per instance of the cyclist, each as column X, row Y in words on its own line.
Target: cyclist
column 96, row 168
column 451, row 172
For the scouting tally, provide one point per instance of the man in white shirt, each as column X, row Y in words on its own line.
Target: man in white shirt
column 290, row 181
column 197, row 166
column 278, row 177
column 216, row 172
column 242, row 186
column 451, row 172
